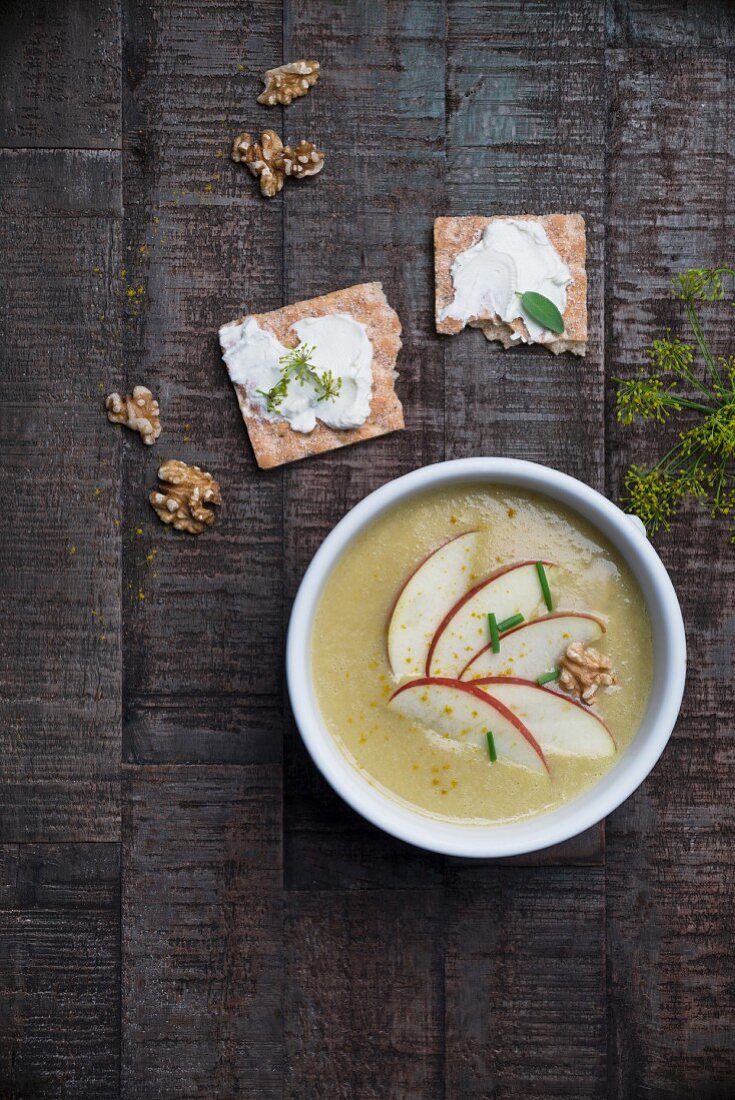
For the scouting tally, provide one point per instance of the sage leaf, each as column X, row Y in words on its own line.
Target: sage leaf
column 542, row 310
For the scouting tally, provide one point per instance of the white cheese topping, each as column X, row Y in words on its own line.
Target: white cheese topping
column 511, row 258
column 341, row 345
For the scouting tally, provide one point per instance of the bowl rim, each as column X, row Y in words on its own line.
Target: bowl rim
column 543, row 830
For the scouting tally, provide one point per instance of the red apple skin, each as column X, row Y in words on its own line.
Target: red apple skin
column 549, row 691
column 484, row 698
column 551, row 615
column 411, row 575
column 468, row 596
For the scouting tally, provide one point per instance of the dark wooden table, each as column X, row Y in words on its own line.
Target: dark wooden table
column 186, row 910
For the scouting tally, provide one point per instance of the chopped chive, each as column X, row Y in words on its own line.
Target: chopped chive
column 508, row 624
column 544, row 584
column 494, row 632
column 491, row 747
column 548, row 677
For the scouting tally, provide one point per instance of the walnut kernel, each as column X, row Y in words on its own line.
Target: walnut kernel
column 287, row 82
column 302, row 160
column 263, row 158
column 584, row 671
column 271, row 161
column 138, row 411
column 184, row 492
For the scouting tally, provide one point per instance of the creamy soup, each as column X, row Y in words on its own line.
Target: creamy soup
column 442, row 663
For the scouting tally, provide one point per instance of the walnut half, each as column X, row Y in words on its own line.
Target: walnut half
column 271, row 161
column 302, row 160
column 264, row 158
column 138, row 411
column 182, row 497
column 584, row 671
column 287, row 82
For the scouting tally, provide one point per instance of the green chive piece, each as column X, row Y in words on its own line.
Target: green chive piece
column 508, row 624
column 548, row 677
column 491, row 747
column 494, row 632
column 544, row 584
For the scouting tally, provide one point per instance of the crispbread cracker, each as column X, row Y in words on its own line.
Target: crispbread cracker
column 567, row 234
column 275, row 441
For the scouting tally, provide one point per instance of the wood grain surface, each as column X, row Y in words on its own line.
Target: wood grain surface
column 186, row 908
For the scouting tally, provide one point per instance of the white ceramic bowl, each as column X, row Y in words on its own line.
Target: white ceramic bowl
column 627, row 534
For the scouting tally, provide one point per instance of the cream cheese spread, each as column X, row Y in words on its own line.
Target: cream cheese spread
column 511, row 258
column 340, row 344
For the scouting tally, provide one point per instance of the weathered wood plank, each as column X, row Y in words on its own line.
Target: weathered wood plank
column 59, row 970
column 525, row 966
column 363, row 993
column 334, row 849
column 60, row 74
column 60, row 554
column 60, row 876
column 541, row 23
column 525, row 1006
column 201, row 910
column 670, row 847
column 60, row 183
column 378, row 111
column 202, row 617
column 363, row 1014
column 510, row 151
column 666, row 23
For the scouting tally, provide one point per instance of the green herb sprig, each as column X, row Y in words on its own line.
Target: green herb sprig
column 702, row 461
column 297, row 366
column 542, row 310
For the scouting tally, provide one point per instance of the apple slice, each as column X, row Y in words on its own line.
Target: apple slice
column 560, row 725
column 466, row 713
column 464, row 630
column 531, row 649
column 434, row 586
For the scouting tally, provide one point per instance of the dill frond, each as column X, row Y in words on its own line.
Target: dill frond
column 670, row 355
column 275, row 396
column 702, row 463
column 644, row 397
column 653, row 496
column 297, row 366
column 715, row 436
column 329, row 386
column 700, row 284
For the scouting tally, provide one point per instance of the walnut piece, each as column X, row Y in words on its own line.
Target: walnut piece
column 182, row 497
column 264, row 158
column 288, row 82
column 584, row 671
column 271, row 161
column 138, row 411
column 302, row 160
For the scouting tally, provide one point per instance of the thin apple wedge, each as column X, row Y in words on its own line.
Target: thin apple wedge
column 464, row 629
column 465, row 713
column 559, row 724
column 531, row 649
column 432, row 589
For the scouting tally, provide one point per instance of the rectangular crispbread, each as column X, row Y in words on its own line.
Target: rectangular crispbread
column 274, row 441
column 567, row 234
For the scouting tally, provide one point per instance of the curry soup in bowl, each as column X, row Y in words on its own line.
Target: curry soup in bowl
column 481, row 654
